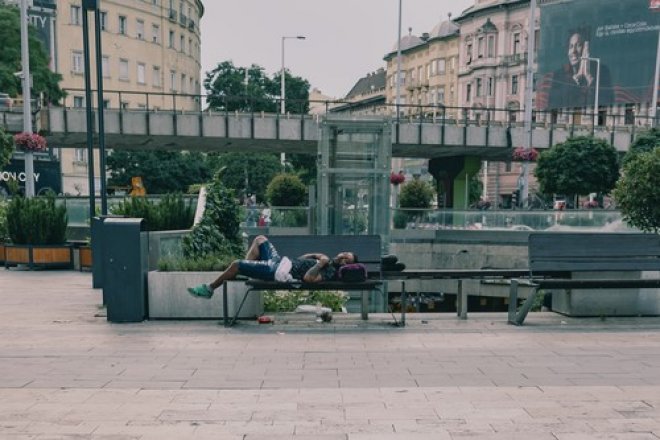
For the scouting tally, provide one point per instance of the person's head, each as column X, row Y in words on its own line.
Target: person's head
column 575, row 48
column 345, row 258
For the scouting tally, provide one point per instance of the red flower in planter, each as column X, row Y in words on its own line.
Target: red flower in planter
column 525, row 154
column 30, row 142
column 397, row 179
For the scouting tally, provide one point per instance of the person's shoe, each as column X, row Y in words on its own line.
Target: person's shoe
column 201, row 291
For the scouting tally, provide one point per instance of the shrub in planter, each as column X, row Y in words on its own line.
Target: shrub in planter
column 36, row 221
column 201, row 264
column 287, row 301
column 172, row 213
column 637, row 194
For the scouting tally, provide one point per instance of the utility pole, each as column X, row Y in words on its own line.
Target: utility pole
column 27, row 95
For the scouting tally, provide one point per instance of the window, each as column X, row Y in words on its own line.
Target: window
column 139, row 31
column 441, row 95
column 122, row 25
column 479, row 90
column 183, row 83
column 140, row 73
column 190, row 47
column 173, row 80
column 80, row 155
column 514, row 84
column 182, row 43
column 491, row 86
column 155, row 77
column 480, row 47
column 420, row 73
column 468, row 92
column 468, row 53
column 77, row 65
column 170, row 40
column 123, row 70
column 191, row 88
column 78, row 102
column 155, row 33
column 155, row 2
column 76, row 14
column 124, row 105
column 516, row 43
column 103, row 19
column 629, row 115
column 105, row 66
column 491, row 46
column 442, row 65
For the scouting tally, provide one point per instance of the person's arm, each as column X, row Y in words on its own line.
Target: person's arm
column 313, row 275
column 314, row 256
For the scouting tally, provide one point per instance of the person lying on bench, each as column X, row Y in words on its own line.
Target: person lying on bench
column 264, row 263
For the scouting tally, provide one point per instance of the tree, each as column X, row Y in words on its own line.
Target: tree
column 43, row 80
column 645, row 142
column 246, row 173
column 416, row 194
column 579, row 166
column 161, row 171
column 6, row 148
column 286, row 190
column 637, row 194
column 228, row 90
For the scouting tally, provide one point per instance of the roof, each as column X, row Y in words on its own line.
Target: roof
column 368, row 84
column 444, row 29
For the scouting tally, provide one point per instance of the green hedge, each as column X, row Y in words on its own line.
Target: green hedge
column 36, row 220
column 172, row 213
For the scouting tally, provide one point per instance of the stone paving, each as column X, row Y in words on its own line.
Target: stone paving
column 66, row 373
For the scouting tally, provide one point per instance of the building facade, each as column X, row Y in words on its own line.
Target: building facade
column 151, row 60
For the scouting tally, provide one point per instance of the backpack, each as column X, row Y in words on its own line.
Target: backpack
column 352, row 273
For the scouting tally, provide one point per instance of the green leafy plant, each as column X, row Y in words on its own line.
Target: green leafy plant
column 3, row 221
column 637, row 194
column 286, row 190
column 6, row 147
column 217, row 234
column 287, row 301
column 208, row 263
column 173, row 212
column 36, row 220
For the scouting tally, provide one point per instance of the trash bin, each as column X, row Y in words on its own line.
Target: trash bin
column 96, row 233
column 125, row 267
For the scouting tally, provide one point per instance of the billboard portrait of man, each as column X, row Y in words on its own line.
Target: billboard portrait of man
column 579, row 35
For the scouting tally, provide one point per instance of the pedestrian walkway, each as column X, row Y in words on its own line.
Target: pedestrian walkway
column 66, row 373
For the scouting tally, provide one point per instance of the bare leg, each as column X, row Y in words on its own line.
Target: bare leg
column 253, row 251
column 229, row 274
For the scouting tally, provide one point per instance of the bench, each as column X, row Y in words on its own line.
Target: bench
column 555, row 256
column 367, row 248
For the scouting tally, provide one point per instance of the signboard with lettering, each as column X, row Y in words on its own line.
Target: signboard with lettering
column 46, row 176
column 583, row 41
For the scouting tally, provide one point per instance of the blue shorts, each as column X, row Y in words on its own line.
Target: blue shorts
column 265, row 267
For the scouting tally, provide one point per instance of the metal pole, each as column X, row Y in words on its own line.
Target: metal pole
column 88, row 112
column 398, row 66
column 100, row 103
column 282, row 89
column 529, row 90
column 27, row 95
column 596, row 107
column 654, row 104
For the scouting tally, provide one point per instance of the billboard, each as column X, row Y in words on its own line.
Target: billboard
column 583, row 41
column 47, row 176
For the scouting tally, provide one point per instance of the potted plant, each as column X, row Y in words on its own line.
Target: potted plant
column 522, row 154
column 37, row 233
column 30, row 142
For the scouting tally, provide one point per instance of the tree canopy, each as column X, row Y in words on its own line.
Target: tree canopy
column 645, row 142
column 246, row 173
column 637, row 194
column 43, row 79
column 579, row 166
column 228, row 90
column 161, row 171
column 416, row 194
column 6, row 147
column 286, row 190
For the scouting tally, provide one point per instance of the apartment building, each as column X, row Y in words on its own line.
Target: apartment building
column 428, row 71
column 151, row 59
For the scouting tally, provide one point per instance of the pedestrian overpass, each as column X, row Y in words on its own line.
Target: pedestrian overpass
column 266, row 132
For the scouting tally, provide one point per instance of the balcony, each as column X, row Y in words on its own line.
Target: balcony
column 183, row 20
column 172, row 15
column 191, row 24
column 513, row 60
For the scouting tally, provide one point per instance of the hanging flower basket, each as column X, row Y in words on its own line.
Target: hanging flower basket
column 397, row 178
column 522, row 154
column 30, row 142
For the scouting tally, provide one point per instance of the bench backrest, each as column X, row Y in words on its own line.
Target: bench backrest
column 367, row 247
column 575, row 252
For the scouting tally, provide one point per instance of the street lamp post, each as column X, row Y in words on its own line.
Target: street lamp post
column 596, row 92
column 283, row 88
column 529, row 91
column 27, row 113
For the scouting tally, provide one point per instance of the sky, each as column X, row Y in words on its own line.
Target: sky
column 345, row 39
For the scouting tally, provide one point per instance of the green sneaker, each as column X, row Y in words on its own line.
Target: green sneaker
column 201, row 291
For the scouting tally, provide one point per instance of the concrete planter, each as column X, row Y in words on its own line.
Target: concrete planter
column 169, row 299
